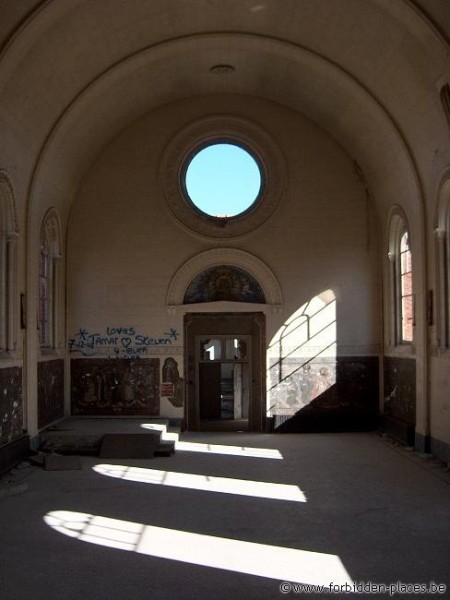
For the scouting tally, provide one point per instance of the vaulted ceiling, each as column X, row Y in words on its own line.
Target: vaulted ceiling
column 74, row 73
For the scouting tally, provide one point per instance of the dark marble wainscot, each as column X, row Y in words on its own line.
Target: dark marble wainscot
column 11, row 411
column 50, row 392
column 400, row 398
column 14, row 443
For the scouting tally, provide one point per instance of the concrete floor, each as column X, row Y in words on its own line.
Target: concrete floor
column 370, row 511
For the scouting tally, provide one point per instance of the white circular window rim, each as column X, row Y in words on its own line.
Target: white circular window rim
column 222, row 129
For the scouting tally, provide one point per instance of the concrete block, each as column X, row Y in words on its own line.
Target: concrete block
column 128, row 445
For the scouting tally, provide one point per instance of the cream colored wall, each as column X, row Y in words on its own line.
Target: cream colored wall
column 370, row 75
column 124, row 247
column 440, row 392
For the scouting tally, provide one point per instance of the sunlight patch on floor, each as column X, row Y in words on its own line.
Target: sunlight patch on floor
column 226, row 485
column 231, row 450
column 273, row 562
column 212, row 448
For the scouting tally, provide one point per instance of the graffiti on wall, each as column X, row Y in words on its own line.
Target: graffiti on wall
column 119, row 342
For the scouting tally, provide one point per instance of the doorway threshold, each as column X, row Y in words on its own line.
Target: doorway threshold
column 224, row 425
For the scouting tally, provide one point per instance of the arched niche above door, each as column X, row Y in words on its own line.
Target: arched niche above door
column 209, row 264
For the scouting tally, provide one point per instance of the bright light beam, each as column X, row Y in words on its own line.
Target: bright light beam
column 231, row 450
column 273, row 562
column 214, row 448
column 225, row 485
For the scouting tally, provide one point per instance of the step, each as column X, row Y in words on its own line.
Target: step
column 129, row 445
column 109, row 438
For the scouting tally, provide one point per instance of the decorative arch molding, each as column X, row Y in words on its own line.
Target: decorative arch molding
column 51, row 231
column 28, row 32
column 396, row 223
column 48, row 12
column 8, row 215
column 224, row 256
column 100, row 90
column 443, row 205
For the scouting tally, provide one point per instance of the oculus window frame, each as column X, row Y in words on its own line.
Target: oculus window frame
column 231, row 130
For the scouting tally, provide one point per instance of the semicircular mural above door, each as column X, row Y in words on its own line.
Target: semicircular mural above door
column 224, row 282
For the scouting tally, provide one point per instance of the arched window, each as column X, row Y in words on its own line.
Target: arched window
column 406, row 308
column 49, row 256
column 402, row 281
column 8, row 235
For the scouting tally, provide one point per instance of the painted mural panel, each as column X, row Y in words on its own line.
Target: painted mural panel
column 50, row 392
column 172, row 386
column 224, row 283
column 11, row 411
column 115, row 386
column 322, row 396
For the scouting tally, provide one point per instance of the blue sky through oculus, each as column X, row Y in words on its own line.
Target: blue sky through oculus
column 223, row 180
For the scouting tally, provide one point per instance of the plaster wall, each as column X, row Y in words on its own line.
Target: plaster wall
column 124, row 246
column 440, row 407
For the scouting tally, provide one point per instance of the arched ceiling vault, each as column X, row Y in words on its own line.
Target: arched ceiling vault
column 297, row 78
column 75, row 73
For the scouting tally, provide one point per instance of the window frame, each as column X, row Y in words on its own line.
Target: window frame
column 48, row 281
column 397, row 232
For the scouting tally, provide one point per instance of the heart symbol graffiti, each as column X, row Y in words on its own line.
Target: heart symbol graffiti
column 126, row 341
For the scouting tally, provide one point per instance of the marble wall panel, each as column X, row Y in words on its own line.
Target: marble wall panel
column 11, row 409
column 50, row 392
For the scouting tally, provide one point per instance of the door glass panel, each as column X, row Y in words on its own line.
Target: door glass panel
column 240, row 390
column 235, row 349
column 226, row 391
column 210, row 349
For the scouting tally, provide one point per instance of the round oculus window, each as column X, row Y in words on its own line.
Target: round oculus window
column 222, row 176
column 222, row 180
